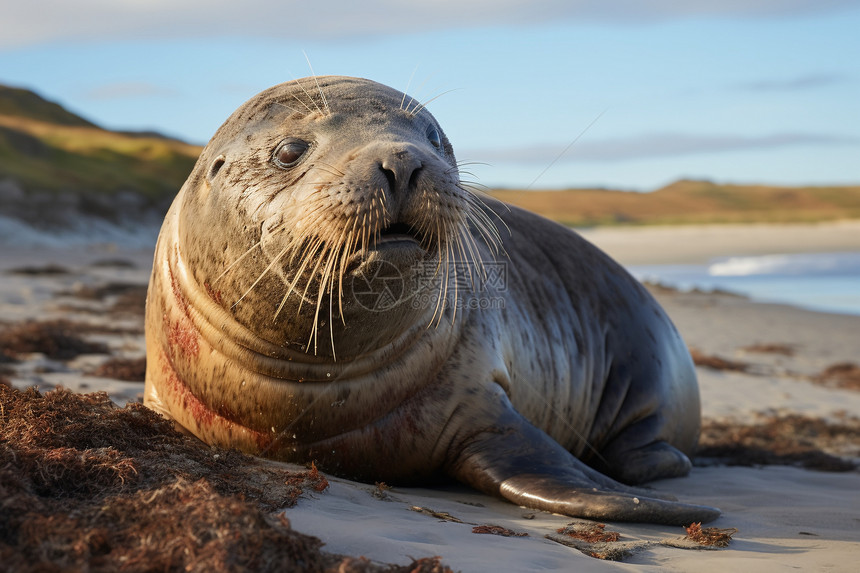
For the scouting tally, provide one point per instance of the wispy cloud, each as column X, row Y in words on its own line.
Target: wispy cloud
column 803, row 82
column 653, row 146
column 42, row 21
column 128, row 90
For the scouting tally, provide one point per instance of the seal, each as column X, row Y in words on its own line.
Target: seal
column 326, row 288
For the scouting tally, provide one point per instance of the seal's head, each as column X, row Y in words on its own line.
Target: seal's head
column 319, row 190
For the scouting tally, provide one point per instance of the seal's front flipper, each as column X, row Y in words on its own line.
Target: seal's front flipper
column 513, row 459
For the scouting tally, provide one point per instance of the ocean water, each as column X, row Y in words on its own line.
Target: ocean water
column 828, row 282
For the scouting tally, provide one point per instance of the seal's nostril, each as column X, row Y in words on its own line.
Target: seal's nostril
column 216, row 166
column 392, row 179
column 401, row 170
column 413, row 179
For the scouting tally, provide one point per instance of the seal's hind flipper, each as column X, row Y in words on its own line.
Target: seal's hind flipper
column 514, row 460
column 657, row 460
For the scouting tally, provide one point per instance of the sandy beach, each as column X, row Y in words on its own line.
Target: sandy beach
column 766, row 370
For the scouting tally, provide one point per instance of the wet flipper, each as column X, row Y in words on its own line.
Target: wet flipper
column 518, row 462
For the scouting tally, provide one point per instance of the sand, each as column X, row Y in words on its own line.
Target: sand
column 653, row 245
column 788, row 518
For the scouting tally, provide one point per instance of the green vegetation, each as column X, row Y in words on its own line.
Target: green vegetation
column 45, row 148
column 691, row 202
column 17, row 102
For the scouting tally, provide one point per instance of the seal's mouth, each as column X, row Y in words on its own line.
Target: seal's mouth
column 400, row 232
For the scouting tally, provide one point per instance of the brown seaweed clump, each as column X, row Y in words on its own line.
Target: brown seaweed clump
column 589, row 532
column 498, row 530
column 56, row 339
column 845, row 375
column 85, row 485
column 710, row 536
column 128, row 369
column 781, row 440
column 716, row 362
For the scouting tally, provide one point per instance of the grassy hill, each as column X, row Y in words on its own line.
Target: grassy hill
column 64, row 165
column 691, row 202
column 47, row 149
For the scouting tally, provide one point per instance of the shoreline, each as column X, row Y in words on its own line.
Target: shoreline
column 700, row 244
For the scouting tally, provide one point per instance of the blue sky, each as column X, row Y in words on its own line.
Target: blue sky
column 735, row 91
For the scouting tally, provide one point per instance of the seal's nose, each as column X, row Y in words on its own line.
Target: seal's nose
column 401, row 169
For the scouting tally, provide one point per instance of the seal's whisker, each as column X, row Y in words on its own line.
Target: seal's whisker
column 259, row 278
column 418, row 108
column 339, row 252
column 409, row 83
column 488, row 231
column 316, row 81
column 464, row 163
column 420, row 87
column 478, row 199
column 310, row 97
column 237, row 261
column 447, row 279
column 298, row 99
column 326, row 274
column 476, row 261
column 292, row 109
column 291, row 287
column 456, row 285
column 464, row 260
column 331, row 323
column 348, row 251
column 306, row 258
column 441, row 265
column 334, row 170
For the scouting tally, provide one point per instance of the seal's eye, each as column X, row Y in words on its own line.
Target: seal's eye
column 433, row 136
column 289, row 152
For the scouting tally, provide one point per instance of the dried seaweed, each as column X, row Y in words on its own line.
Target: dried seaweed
column 781, row 440
column 128, row 369
column 781, row 349
column 56, row 339
column 85, row 485
column 711, row 536
column 845, row 375
column 498, row 530
column 589, row 532
column 716, row 362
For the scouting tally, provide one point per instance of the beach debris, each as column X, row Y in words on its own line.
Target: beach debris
column 114, row 264
column 592, row 539
column 128, row 369
column 792, row 439
column 711, row 536
column 444, row 516
column 605, row 550
column 845, row 375
column 782, row 349
column 50, row 269
column 56, row 339
column 127, row 298
column 381, row 490
column 312, row 479
column 498, row 530
column 589, row 531
column 716, row 362
column 87, row 485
